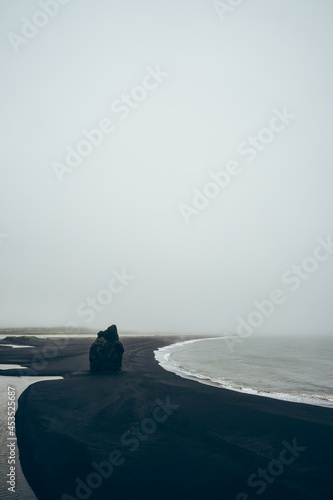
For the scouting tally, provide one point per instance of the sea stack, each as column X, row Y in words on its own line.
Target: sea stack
column 106, row 352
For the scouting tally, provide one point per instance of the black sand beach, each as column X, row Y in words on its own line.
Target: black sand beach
column 148, row 433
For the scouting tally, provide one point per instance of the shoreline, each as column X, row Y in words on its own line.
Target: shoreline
column 162, row 356
column 208, row 447
column 20, row 487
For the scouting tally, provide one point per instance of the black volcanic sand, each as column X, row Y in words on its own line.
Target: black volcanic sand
column 208, row 447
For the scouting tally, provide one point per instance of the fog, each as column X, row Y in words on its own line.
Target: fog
column 209, row 179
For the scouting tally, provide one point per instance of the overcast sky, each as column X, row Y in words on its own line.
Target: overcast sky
column 184, row 92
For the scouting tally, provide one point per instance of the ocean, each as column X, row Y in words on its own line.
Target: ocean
column 290, row 368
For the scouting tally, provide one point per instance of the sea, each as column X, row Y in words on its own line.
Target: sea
column 291, row 368
column 22, row 489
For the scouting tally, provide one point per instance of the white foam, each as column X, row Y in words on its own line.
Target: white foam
column 11, row 367
column 163, row 357
column 15, row 346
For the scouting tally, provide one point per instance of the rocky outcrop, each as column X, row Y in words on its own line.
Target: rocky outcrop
column 106, row 352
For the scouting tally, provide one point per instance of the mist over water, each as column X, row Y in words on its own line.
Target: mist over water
column 194, row 150
column 293, row 369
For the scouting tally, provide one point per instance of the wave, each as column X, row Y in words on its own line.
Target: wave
column 164, row 359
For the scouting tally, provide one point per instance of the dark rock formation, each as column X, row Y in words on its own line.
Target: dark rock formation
column 106, row 352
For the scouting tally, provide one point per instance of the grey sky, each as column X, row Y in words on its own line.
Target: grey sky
column 120, row 207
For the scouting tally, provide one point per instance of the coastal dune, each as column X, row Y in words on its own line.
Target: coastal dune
column 147, row 433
